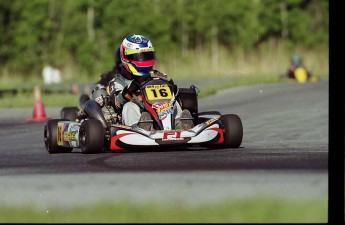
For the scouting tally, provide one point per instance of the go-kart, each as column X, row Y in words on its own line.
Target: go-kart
column 95, row 135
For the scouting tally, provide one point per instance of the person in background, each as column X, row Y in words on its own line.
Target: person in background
column 297, row 71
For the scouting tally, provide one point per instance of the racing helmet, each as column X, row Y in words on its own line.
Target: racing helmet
column 137, row 55
column 296, row 60
column 98, row 95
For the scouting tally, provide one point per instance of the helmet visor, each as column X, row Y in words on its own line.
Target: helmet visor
column 141, row 56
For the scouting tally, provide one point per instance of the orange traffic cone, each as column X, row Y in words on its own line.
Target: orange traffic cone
column 39, row 113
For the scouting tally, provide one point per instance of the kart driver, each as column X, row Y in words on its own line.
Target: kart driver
column 137, row 59
column 297, row 71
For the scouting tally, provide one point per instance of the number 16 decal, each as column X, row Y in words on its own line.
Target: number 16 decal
column 158, row 92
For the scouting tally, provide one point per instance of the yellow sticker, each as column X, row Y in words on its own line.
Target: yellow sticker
column 158, row 92
column 208, row 122
column 59, row 133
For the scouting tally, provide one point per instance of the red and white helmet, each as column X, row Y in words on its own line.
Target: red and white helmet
column 137, row 55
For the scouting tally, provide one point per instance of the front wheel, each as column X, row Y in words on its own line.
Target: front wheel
column 91, row 136
column 50, row 138
column 233, row 130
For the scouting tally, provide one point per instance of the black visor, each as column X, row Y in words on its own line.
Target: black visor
column 142, row 56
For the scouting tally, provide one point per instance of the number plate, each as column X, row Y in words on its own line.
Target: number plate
column 158, row 92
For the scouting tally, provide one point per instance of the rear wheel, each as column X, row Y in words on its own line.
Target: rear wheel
column 188, row 99
column 69, row 113
column 233, row 130
column 50, row 138
column 91, row 136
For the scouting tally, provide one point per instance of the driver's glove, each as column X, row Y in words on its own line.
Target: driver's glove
column 81, row 114
column 131, row 88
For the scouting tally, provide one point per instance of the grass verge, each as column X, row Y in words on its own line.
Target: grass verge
column 257, row 210
column 58, row 98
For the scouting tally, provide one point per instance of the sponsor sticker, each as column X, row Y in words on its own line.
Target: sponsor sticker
column 69, row 136
column 208, row 122
column 172, row 136
column 59, row 133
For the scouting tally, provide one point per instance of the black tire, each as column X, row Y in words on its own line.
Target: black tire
column 188, row 99
column 91, row 136
column 69, row 113
column 50, row 138
column 233, row 130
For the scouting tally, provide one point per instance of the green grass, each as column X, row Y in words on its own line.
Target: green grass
column 60, row 98
column 27, row 100
column 258, row 210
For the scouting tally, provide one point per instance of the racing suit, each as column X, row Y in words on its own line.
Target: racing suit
column 105, row 77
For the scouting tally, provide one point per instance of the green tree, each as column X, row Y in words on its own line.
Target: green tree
column 85, row 33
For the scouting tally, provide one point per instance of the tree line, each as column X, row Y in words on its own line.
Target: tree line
column 86, row 32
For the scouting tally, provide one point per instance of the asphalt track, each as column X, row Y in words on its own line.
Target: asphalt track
column 284, row 153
